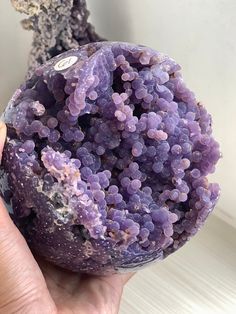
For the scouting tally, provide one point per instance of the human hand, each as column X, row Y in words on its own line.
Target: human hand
column 30, row 286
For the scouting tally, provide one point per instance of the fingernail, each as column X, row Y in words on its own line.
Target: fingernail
column 2, row 125
column 2, row 137
column 3, row 130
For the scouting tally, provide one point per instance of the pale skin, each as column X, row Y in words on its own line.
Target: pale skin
column 29, row 286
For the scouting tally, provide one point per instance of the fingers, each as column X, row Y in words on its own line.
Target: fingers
column 22, row 282
column 3, row 133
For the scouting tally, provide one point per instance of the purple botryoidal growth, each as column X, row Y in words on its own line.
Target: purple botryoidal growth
column 106, row 159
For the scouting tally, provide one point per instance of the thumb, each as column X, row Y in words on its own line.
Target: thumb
column 22, row 283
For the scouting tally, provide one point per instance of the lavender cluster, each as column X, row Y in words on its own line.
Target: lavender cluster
column 106, row 159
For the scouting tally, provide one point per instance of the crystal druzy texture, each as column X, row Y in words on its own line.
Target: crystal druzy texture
column 106, row 159
column 58, row 25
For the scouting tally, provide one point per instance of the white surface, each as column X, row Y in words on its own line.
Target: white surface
column 198, row 279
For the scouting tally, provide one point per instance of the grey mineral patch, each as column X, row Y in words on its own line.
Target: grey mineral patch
column 58, row 26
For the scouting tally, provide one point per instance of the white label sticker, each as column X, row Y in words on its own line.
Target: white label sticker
column 65, row 63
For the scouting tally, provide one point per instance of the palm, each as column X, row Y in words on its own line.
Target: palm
column 82, row 293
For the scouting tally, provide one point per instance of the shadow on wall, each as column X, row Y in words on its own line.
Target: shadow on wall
column 15, row 46
column 115, row 24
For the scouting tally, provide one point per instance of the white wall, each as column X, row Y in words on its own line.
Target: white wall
column 14, row 47
column 199, row 34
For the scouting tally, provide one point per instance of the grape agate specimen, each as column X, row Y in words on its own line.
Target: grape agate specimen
column 106, row 159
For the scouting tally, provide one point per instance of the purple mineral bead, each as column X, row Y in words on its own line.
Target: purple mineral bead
column 106, row 159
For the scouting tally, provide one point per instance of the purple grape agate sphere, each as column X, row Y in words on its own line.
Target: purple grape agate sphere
column 106, row 159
